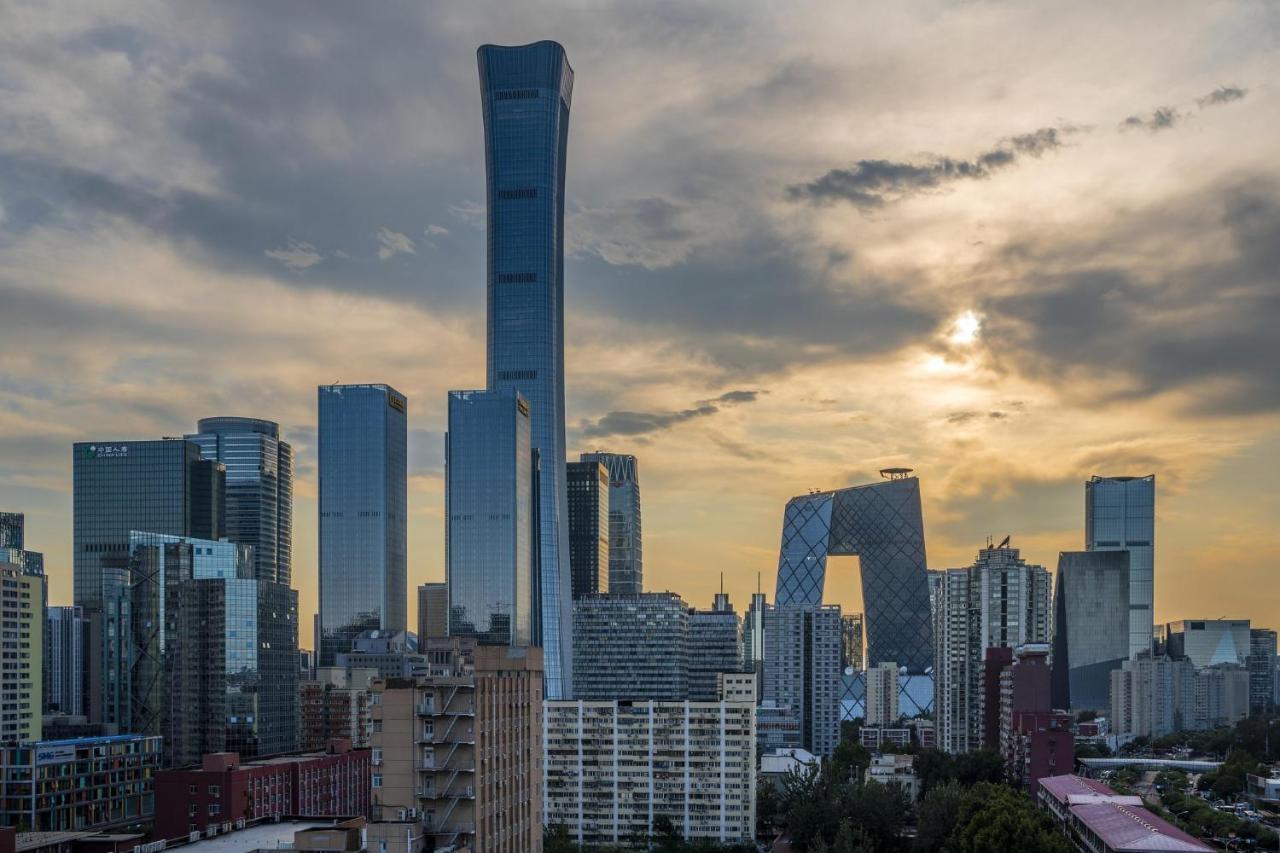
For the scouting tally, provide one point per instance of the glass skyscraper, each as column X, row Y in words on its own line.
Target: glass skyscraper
column 363, row 503
column 259, row 488
column 489, row 474
column 626, row 554
column 1120, row 514
column 525, row 96
column 588, row 486
column 1090, row 626
column 13, row 544
column 882, row 524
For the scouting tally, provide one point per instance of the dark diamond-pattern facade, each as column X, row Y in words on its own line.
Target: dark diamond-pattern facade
column 882, row 525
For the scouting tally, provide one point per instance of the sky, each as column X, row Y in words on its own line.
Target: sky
column 1006, row 244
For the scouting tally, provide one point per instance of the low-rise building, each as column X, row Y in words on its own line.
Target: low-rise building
column 777, row 764
column 896, row 770
column 1098, row 820
column 223, row 790
column 79, row 784
column 872, row 737
column 613, row 767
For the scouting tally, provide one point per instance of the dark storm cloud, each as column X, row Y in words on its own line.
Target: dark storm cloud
column 643, row 423
column 1204, row 327
column 870, row 184
column 1222, row 95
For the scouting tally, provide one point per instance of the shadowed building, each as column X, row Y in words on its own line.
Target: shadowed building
column 525, row 94
column 1120, row 514
column 1091, row 626
column 588, row 488
column 626, row 552
column 881, row 524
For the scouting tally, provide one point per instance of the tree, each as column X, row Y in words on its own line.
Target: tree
column 880, row 811
column 936, row 817
column 933, row 767
column 980, row 765
column 666, row 837
column 849, row 760
column 556, row 839
column 996, row 817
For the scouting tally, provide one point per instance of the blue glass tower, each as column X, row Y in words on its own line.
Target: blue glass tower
column 525, row 95
column 488, row 521
column 1120, row 514
column 363, row 502
column 882, row 524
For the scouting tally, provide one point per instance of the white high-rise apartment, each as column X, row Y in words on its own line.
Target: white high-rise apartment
column 882, row 694
column 612, row 767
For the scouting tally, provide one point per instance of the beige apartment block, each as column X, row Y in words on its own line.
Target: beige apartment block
column 457, row 755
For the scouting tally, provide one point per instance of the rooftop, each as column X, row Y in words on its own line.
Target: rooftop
column 1121, row 821
column 264, row 836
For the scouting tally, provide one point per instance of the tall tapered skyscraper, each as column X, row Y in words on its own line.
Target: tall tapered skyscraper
column 525, row 95
column 363, row 503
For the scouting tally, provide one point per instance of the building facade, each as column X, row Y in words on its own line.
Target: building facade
column 1001, row 601
column 78, row 784
column 1091, row 626
column 433, row 611
column 753, row 636
column 1209, row 642
column 1120, row 515
column 335, row 706
column 1035, row 741
column 490, row 564
column 457, row 756
column 329, row 783
column 259, row 510
column 1262, row 669
column 714, row 648
column 587, row 484
column 882, row 525
column 882, row 694
column 22, row 673
column 525, row 95
column 631, row 647
column 802, row 676
column 1152, row 696
column 626, row 545
column 851, row 641
column 66, row 640
column 363, row 499
column 13, row 539
column 1107, row 822
column 612, row 768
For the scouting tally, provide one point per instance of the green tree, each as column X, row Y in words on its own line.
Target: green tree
column 880, row 811
column 980, row 765
column 996, row 817
column 936, row 817
column 933, row 767
column 666, row 836
column 556, row 839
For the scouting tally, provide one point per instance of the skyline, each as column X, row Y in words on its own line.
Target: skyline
column 1008, row 285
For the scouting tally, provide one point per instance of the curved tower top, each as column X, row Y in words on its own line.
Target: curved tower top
column 525, row 94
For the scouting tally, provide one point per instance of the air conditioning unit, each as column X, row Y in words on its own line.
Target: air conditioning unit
column 413, row 814
column 400, row 815
column 240, row 823
column 193, row 837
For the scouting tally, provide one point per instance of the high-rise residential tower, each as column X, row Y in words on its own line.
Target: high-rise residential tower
column 363, row 505
column 525, row 95
column 1120, row 514
column 588, row 487
column 21, row 677
column 714, row 647
column 851, row 641
column 489, row 476
column 631, row 647
column 65, row 644
column 626, row 554
column 802, row 674
column 259, row 488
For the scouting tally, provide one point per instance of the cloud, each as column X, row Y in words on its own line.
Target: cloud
column 393, row 243
column 296, row 255
column 870, row 184
column 650, row 232
column 1162, row 118
column 626, row 423
column 1222, row 95
column 435, row 231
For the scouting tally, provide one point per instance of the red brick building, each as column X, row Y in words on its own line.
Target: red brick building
column 1035, row 740
column 334, row 783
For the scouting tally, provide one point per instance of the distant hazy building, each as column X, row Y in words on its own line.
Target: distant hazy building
column 66, row 640
column 335, row 704
column 489, row 532
column 626, row 552
column 999, row 601
column 457, row 756
column 1221, row 696
column 1152, row 696
column 12, row 530
column 588, row 488
column 362, row 440
column 1208, row 642
column 1120, row 515
column 433, row 611
column 714, row 648
column 612, row 768
column 882, row 524
column 851, row 641
column 1262, row 669
column 753, row 636
column 631, row 647
column 882, row 694
column 1091, row 626
column 387, row 653
column 259, row 488
column 21, row 677
column 13, row 548
column 802, row 676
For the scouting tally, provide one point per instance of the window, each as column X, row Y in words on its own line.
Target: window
column 523, row 192
column 215, row 809
column 517, row 277
column 377, row 780
column 215, row 791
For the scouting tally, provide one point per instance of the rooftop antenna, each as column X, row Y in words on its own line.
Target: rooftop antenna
column 1004, row 543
